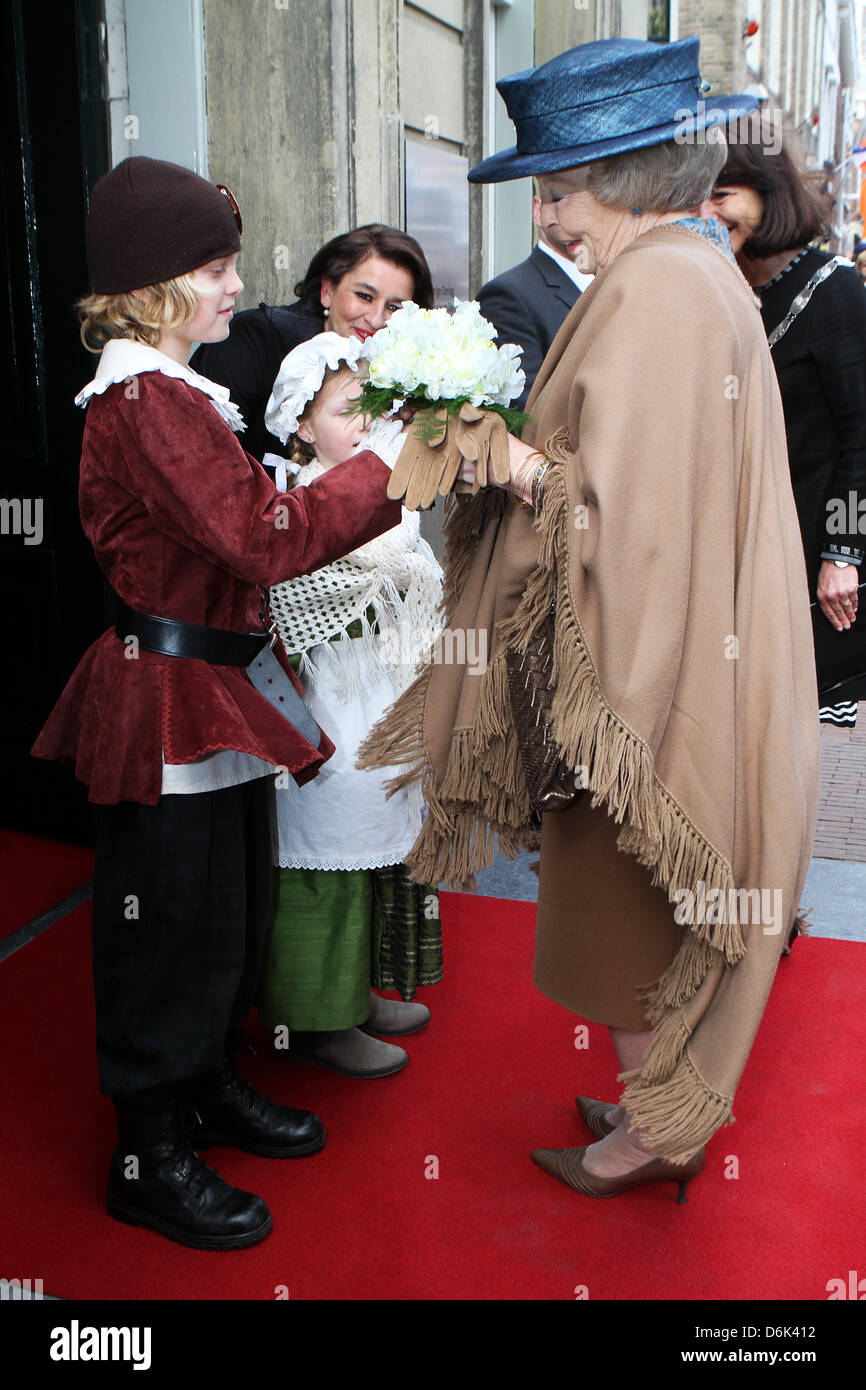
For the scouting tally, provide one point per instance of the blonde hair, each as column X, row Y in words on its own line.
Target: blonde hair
column 138, row 314
column 302, row 452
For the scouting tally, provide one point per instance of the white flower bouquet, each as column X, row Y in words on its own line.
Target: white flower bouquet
column 431, row 357
column 447, row 368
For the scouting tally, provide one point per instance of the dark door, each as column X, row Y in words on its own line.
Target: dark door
column 54, row 147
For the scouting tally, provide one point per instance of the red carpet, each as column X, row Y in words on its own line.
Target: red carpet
column 36, row 875
column 493, row 1076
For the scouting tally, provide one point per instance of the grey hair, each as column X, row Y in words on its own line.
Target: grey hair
column 671, row 177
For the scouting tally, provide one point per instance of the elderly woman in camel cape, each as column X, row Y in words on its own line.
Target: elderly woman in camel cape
column 663, row 539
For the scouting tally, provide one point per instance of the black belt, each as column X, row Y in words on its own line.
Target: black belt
column 171, row 638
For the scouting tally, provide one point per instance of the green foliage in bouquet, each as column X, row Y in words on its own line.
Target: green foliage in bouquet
column 377, row 401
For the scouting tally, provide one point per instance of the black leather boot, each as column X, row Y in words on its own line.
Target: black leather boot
column 224, row 1108
column 157, row 1179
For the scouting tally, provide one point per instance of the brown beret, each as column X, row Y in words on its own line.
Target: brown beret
column 150, row 221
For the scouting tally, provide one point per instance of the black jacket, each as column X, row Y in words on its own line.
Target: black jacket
column 821, row 366
column 527, row 305
column 248, row 360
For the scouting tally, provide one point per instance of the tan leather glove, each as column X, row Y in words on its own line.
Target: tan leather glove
column 482, row 436
column 417, row 472
column 426, row 467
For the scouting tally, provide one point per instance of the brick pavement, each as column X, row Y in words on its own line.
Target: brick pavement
column 841, row 832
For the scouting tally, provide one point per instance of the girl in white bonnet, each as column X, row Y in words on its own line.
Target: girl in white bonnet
column 345, row 912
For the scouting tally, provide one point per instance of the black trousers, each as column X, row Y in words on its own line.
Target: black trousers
column 181, row 903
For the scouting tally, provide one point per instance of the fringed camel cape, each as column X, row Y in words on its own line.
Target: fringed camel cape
column 684, row 673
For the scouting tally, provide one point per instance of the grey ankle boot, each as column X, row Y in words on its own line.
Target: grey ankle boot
column 349, row 1052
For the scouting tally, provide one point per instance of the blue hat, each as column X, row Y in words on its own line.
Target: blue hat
column 601, row 99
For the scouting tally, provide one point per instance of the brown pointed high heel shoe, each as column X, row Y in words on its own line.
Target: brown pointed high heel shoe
column 593, row 1113
column 566, row 1165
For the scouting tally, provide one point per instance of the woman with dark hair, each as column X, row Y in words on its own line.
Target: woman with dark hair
column 351, row 286
column 814, row 312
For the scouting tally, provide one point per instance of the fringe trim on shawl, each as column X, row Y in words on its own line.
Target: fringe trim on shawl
column 465, row 519
column 618, row 766
column 666, row 1098
column 681, row 980
column 398, row 737
column 481, row 805
column 479, row 798
column 483, row 791
column 680, row 1113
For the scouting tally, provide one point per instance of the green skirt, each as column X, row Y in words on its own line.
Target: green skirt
column 333, row 933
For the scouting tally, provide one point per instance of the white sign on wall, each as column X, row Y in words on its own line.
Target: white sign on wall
column 437, row 215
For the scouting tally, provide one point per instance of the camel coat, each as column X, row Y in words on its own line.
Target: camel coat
column 684, row 676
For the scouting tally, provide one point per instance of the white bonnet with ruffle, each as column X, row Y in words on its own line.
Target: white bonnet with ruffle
column 300, row 377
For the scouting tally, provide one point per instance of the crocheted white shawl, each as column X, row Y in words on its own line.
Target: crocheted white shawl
column 314, row 608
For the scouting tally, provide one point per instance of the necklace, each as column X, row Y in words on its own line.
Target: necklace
column 759, row 289
column 802, row 299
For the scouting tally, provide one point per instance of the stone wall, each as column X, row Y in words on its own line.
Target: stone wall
column 560, row 25
column 718, row 24
column 303, row 125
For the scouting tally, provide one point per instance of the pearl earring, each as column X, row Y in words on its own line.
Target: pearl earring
column 325, row 313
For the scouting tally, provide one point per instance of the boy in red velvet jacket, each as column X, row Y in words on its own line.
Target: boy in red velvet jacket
column 161, row 718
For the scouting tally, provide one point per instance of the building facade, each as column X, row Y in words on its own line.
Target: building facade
column 320, row 115
column 802, row 59
column 324, row 114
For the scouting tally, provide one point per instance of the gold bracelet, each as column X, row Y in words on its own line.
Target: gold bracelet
column 516, row 497
column 538, row 483
column 524, row 505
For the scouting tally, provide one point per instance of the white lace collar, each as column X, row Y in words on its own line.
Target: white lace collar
column 309, row 471
column 122, row 358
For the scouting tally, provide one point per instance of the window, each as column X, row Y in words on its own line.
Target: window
column 774, row 46
column 659, row 21
column 752, row 46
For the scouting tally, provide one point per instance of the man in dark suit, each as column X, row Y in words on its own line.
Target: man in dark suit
column 528, row 304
